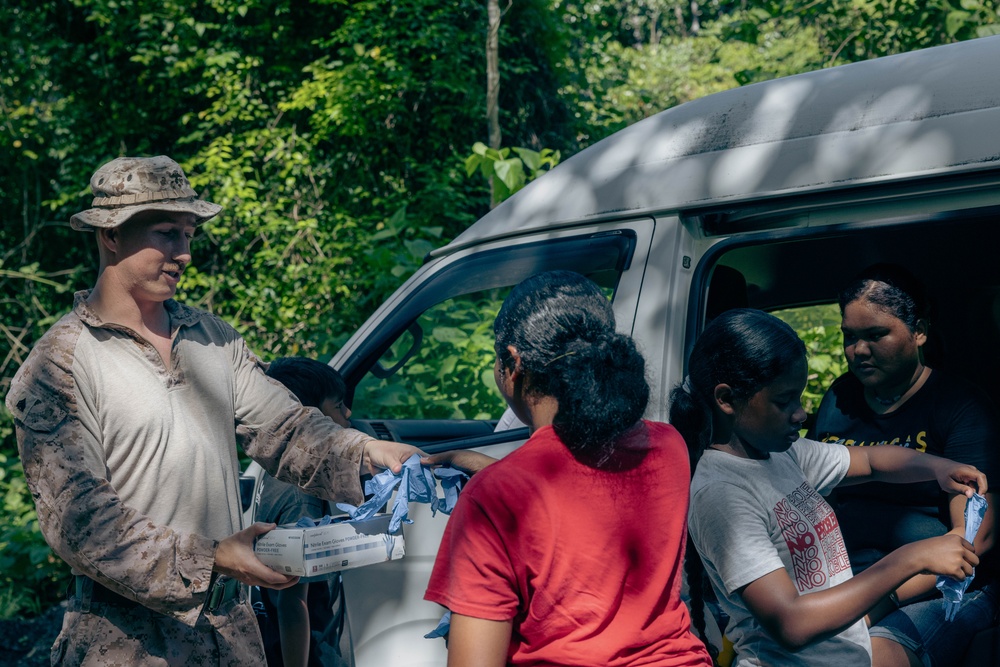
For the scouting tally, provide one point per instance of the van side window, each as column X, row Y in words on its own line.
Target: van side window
column 450, row 375
column 819, row 328
column 427, row 376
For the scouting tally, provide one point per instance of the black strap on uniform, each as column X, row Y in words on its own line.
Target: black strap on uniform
column 84, row 592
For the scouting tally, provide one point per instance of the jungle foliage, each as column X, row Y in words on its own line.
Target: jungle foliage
column 344, row 140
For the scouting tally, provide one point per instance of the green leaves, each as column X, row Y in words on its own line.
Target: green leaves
column 976, row 17
column 508, row 174
column 450, row 376
column 31, row 577
column 819, row 329
column 511, row 174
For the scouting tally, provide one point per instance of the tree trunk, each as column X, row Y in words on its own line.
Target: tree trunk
column 681, row 23
column 493, row 81
column 654, row 26
column 493, row 72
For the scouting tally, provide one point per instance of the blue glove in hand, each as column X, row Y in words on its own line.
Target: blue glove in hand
column 443, row 626
column 451, row 483
column 951, row 589
column 416, row 484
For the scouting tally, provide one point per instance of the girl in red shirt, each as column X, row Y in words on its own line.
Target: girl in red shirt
column 569, row 551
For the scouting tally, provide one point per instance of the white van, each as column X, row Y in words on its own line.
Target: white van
column 773, row 195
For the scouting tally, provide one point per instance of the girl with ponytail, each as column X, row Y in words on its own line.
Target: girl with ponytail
column 770, row 543
column 568, row 551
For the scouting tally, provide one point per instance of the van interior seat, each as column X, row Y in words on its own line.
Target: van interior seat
column 726, row 290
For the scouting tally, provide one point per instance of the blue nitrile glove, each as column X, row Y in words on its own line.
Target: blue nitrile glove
column 381, row 485
column 309, row 522
column 443, row 626
column 952, row 590
column 416, row 484
column 452, row 480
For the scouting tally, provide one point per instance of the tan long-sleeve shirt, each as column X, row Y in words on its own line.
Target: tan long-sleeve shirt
column 133, row 466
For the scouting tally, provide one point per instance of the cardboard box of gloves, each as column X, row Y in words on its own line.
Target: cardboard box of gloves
column 340, row 545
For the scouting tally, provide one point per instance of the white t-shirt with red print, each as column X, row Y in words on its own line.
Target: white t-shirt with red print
column 748, row 518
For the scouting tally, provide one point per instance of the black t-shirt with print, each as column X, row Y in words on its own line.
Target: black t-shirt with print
column 946, row 417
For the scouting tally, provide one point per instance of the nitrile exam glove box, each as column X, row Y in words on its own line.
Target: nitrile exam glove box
column 319, row 550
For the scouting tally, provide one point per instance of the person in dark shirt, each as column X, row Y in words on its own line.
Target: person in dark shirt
column 891, row 397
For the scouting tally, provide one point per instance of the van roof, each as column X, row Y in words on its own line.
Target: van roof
column 896, row 118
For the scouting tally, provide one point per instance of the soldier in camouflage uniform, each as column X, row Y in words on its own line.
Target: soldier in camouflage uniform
column 128, row 411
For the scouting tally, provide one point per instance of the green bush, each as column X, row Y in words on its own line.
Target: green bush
column 819, row 329
column 452, row 374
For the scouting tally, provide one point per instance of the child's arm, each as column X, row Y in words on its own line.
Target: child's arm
column 465, row 460
column 891, row 463
column 476, row 642
column 922, row 584
column 985, row 537
column 795, row 620
column 293, row 624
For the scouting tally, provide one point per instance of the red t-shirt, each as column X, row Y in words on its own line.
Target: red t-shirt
column 586, row 562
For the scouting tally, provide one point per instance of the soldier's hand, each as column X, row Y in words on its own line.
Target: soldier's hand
column 382, row 454
column 235, row 558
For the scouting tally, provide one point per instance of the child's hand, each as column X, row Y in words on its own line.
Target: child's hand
column 961, row 478
column 465, row 460
column 950, row 555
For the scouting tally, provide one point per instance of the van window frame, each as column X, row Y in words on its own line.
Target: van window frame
column 493, row 269
column 701, row 277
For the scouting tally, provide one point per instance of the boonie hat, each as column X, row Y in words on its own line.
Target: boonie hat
column 128, row 185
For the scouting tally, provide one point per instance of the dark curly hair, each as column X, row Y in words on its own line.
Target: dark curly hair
column 893, row 289
column 563, row 328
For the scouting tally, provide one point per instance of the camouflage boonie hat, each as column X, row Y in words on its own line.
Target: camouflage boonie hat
column 127, row 185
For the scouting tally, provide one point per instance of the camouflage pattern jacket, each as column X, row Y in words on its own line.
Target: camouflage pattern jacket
column 133, row 465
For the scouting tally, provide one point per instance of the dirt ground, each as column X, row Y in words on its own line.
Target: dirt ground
column 26, row 642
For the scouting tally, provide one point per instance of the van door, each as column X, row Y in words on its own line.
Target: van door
column 422, row 372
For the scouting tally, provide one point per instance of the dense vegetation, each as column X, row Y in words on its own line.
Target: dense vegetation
column 340, row 137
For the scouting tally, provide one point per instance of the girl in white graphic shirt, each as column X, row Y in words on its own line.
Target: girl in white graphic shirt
column 770, row 543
